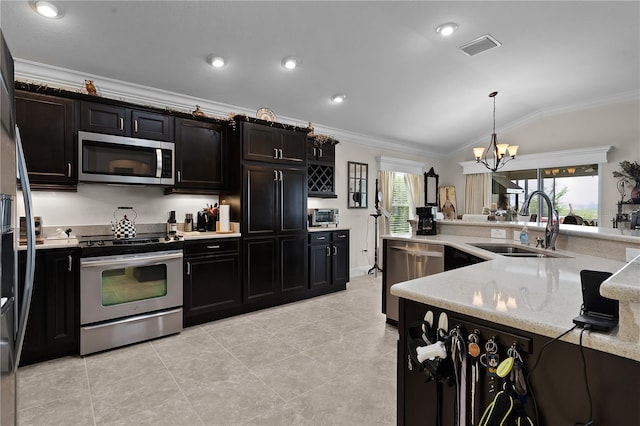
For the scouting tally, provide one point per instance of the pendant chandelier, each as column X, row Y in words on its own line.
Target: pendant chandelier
column 498, row 149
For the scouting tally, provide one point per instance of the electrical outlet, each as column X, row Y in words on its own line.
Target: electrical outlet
column 499, row 233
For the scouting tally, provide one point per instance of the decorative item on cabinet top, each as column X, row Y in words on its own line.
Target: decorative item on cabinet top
column 265, row 114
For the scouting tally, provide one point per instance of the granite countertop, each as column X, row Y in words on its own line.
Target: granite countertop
column 539, row 295
column 327, row 228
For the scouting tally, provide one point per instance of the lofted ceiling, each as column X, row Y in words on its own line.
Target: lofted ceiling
column 405, row 84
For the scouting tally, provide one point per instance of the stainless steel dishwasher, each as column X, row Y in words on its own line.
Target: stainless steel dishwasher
column 406, row 261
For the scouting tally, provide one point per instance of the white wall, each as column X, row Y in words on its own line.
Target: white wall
column 358, row 220
column 615, row 124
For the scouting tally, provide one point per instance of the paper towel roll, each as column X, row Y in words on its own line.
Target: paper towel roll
column 224, row 218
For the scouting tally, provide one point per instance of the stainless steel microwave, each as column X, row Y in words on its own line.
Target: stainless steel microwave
column 120, row 159
column 323, row 217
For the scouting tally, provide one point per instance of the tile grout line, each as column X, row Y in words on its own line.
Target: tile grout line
column 178, row 384
column 86, row 374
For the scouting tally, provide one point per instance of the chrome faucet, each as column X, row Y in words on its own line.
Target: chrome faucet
column 553, row 221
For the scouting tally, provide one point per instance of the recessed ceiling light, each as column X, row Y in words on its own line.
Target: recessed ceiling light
column 447, row 29
column 46, row 9
column 289, row 63
column 338, row 98
column 215, row 61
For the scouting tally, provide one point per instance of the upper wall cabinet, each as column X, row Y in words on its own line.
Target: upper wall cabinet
column 117, row 120
column 47, row 130
column 202, row 155
column 321, row 168
column 273, row 145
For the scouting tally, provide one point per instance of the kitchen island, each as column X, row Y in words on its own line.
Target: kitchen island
column 528, row 301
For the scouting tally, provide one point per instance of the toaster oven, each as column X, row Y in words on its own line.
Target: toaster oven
column 323, row 217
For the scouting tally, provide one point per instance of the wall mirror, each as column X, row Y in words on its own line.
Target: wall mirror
column 431, row 188
column 358, row 184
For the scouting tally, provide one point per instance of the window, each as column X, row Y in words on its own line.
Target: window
column 573, row 189
column 399, row 213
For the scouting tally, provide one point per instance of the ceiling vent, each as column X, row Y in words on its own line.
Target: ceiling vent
column 479, row 45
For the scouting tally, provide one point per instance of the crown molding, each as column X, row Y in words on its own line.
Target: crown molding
column 569, row 157
column 71, row 80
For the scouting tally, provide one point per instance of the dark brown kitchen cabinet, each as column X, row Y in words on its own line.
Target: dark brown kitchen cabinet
column 273, row 145
column 321, row 169
column 329, row 259
column 46, row 126
column 275, row 268
column 325, row 152
column 275, row 200
column 202, row 151
column 53, row 323
column 117, row 120
column 212, row 279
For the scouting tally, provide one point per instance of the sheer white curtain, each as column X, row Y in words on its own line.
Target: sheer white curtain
column 385, row 182
column 415, row 192
column 477, row 192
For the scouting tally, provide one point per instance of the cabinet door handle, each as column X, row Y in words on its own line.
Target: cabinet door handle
column 315, row 151
column 68, row 169
column 121, row 123
column 70, row 267
column 321, row 238
column 335, row 250
column 342, row 236
column 280, row 156
column 280, row 173
column 320, row 152
column 328, row 251
column 179, row 176
column 275, row 175
column 135, row 126
column 213, row 247
column 275, row 153
column 188, row 268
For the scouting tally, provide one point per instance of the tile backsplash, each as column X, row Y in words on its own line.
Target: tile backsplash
column 95, row 204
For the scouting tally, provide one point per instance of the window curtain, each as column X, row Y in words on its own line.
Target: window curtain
column 477, row 193
column 385, row 182
column 415, row 192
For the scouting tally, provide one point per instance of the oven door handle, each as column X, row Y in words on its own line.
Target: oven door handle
column 130, row 260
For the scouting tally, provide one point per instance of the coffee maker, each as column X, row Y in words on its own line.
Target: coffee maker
column 426, row 220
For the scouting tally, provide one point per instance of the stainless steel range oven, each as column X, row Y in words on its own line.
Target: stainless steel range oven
column 130, row 291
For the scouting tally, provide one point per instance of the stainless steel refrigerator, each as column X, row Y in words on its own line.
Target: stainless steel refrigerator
column 15, row 305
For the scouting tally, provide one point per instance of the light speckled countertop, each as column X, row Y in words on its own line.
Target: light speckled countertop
column 539, row 295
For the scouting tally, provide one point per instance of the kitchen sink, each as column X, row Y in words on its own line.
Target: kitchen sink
column 512, row 250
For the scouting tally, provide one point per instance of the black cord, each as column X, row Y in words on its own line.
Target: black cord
column 586, row 379
column 533, row 397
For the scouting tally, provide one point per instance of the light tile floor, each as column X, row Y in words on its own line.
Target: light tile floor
column 329, row 360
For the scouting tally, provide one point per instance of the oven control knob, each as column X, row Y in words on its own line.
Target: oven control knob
column 167, row 238
column 89, row 243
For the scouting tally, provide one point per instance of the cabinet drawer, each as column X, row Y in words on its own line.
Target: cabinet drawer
column 212, row 246
column 319, row 237
column 339, row 235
